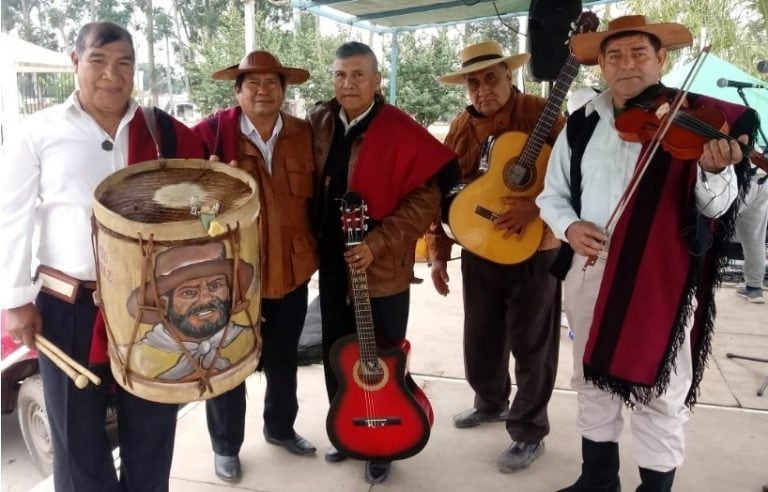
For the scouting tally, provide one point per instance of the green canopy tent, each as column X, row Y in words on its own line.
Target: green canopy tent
column 715, row 68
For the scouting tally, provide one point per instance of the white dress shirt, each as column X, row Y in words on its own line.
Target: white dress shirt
column 267, row 148
column 47, row 178
column 607, row 167
column 355, row 121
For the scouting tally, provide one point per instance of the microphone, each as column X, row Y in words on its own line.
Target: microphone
column 739, row 85
column 762, row 66
column 107, row 145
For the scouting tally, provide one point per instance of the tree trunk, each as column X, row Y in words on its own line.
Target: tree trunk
column 171, row 106
column 151, row 53
column 186, row 51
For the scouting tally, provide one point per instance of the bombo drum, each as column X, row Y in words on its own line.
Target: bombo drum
column 177, row 252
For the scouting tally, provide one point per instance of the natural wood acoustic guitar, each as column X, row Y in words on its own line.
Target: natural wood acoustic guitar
column 511, row 165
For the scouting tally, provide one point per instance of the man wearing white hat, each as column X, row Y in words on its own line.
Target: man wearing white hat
column 507, row 308
column 276, row 148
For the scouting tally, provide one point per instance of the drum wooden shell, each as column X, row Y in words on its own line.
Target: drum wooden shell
column 143, row 217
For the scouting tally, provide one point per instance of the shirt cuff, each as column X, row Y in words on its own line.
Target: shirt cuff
column 562, row 225
column 14, row 297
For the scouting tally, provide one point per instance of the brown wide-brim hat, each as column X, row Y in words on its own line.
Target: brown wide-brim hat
column 586, row 46
column 177, row 265
column 481, row 56
column 262, row 62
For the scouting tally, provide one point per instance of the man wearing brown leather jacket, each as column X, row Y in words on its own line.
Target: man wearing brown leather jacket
column 276, row 149
column 402, row 172
column 507, row 307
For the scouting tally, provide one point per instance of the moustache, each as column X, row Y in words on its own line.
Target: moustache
column 214, row 305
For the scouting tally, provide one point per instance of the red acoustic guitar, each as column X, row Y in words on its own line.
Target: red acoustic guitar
column 379, row 412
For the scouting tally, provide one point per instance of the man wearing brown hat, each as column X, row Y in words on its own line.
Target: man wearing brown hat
column 507, row 308
column 646, row 243
column 276, row 149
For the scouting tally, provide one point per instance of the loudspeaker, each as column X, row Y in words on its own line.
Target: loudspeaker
column 549, row 22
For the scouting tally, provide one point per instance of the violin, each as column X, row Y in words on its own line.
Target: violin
column 689, row 128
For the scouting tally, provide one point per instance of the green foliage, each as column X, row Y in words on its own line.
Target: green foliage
column 307, row 48
column 301, row 47
column 223, row 48
column 736, row 29
column 421, row 59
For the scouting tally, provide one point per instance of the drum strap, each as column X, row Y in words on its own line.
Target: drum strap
column 151, row 120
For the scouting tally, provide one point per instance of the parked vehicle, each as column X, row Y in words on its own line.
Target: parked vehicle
column 22, row 390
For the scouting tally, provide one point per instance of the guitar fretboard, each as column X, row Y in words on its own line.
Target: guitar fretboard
column 364, row 320
column 552, row 109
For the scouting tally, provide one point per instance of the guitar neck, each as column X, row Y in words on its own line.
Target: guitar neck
column 551, row 111
column 363, row 318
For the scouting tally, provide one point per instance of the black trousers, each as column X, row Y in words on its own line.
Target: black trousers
column 280, row 331
column 390, row 318
column 512, row 308
column 82, row 459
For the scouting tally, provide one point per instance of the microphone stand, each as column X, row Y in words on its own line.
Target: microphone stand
column 730, row 355
column 740, row 91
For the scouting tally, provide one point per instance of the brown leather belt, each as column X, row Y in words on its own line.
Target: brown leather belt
column 61, row 285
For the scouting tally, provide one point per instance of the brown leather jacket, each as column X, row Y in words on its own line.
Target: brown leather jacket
column 393, row 241
column 289, row 249
column 466, row 136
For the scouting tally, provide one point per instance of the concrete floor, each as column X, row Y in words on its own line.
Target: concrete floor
column 728, row 432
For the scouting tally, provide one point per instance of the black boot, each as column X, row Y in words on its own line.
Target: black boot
column 600, row 468
column 656, row 481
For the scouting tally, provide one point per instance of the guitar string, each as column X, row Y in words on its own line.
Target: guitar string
column 349, row 230
column 364, row 343
column 532, row 149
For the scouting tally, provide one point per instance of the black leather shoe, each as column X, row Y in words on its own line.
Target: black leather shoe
column 227, row 468
column 294, row 445
column 376, row 471
column 333, row 455
column 474, row 417
column 519, row 456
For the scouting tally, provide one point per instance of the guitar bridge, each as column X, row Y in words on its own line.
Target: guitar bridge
column 376, row 421
column 486, row 214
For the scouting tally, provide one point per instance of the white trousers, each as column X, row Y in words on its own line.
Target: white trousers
column 658, row 428
column 750, row 229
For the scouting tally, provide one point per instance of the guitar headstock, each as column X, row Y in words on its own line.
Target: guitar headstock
column 354, row 215
column 587, row 22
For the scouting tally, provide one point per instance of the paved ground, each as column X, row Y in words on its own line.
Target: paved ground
column 728, row 433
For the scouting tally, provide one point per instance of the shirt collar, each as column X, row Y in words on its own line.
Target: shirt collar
column 247, row 128
column 603, row 104
column 350, row 124
column 74, row 103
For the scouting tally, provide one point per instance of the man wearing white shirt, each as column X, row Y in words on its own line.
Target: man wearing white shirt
column 276, row 148
column 47, row 178
column 639, row 290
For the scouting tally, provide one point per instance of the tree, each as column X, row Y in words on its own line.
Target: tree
column 149, row 11
column 302, row 47
column 421, row 59
column 735, row 28
column 223, row 46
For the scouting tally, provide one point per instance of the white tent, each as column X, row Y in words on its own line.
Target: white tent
column 711, row 71
column 22, row 56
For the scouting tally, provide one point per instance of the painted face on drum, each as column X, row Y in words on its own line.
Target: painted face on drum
column 200, row 307
column 261, row 95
